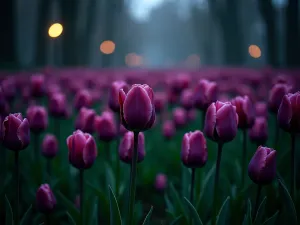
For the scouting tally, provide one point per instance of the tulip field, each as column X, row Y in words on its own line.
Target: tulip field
column 151, row 147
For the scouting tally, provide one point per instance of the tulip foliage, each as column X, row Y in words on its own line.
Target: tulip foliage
column 87, row 147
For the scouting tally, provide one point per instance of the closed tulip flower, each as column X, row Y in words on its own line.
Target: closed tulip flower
column 126, row 147
column 49, row 146
column 161, row 182
column 259, row 132
column 160, row 101
column 113, row 99
column 83, row 98
column 137, row 108
column 179, row 117
column 221, row 122
column 275, row 96
column 186, row 99
column 45, row 199
column 262, row 167
column 85, row 120
column 245, row 111
column 105, row 126
column 38, row 118
column 194, row 150
column 205, row 93
column 261, row 109
column 82, row 150
column 288, row 113
column 168, row 129
column 37, row 84
column 9, row 88
column 16, row 132
column 58, row 105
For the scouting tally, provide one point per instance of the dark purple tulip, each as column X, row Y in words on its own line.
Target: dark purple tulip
column 179, row 117
column 221, row 122
column 261, row 109
column 172, row 97
column 137, row 108
column 160, row 101
column 191, row 115
column 168, row 129
column 113, row 99
column 161, row 182
column 83, row 98
column 123, row 130
column 105, row 126
column 258, row 134
column 37, row 84
column 38, row 118
column 85, row 120
column 194, row 150
column 49, row 146
column 288, row 113
column 262, row 167
column 245, row 111
column 82, row 150
column 4, row 107
column 45, row 199
column 9, row 88
column 179, row 82
column 58, row 105
column 16, row 132
column 187, row 99
column 205, row 93
column 127, row 145
column 275, row 96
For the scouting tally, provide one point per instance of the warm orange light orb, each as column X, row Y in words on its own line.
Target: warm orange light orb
column 107, row 47
column 55, row 30
column 254, row 51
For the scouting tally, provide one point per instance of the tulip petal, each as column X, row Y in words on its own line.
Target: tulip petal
column 89, row 152
column 210, row 121
column 285, row 113
column 23, row 133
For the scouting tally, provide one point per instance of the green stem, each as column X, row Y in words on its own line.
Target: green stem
column 49, row 169
column 36, row 146
column 17, row 187
column 293, row 141
column 244, row 158
column 215, row 201
column 117, row 156
column 192, row 190
column 133, row 172
column 81, row 194
column 257, row 201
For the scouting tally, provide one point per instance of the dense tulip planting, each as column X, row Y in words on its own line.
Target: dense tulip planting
column 211, row 147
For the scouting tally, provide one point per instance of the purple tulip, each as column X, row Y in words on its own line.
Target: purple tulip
column 258, row 134
column 161, row 182
column 262, row 167
column 126, row 147
column 261, row 109
column 45, row 199
column 194, row 150
column 9, row 88
column 245, row 111
column 37, row 83
column 186, row 99
column 179, row 117
column 38, row 118
column 82, row 150
column 205, row 93
column 137, row 108
column 58, row 105
column 113, row 99
column 160, row 101
column 275, row 96
column 105, row 126
column 49, row 146
column 168, row 129
column 85, row 120
column 83, row 98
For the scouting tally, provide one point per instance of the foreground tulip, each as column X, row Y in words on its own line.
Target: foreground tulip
column 137, row 110
column 161, row 182
column 37, row 83
column 168, row 129
column 45, row 201
column 113, row 99
column 82, row 155
column 16, row 137
column 262, row 169
column 85, row 120
column 288, row 120
column 49, row 149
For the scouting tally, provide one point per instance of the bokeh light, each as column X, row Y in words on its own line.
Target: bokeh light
column 55, row 30
column 133, row 60
column 107, row 47
column 193, row 61
column 254, row 51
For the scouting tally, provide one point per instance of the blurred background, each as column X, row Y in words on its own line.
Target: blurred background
column 149, row 33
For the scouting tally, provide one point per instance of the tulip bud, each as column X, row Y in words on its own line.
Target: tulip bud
column 179, row 117
column 259, row 132
column 82, row 149
column 105, row 126
column 186, row 99
column 245, row 111
column 83, row 98
column 37, row 83
column 113, row 99
column 275, row 96
column 261, row 109
column 194, row 150
column 288, row 113
column 160, row 101
column 58, row 105
column 45, row 199
column 262, row 167
column 221, row 122
column 9, row 88
column 168, row 129
column 123, row 130
column 126, row 147
column 161, row 182
column 137, row 110
column 85, row 120
column 16, row 132
column 38, row 118
column 205, row 93
column 49, row 146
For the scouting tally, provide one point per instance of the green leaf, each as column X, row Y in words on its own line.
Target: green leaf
column 148, row 216
column 110, row 177
column 247, row 218
column 101, row 195
column 94, row 216
column 115, row 215
column 272, row 219
column 288, row 202
column 71, row 219
column 9, row 213
column 178, row 201
column 185, row 181
column 26, row 215
column 223, row 213
column 170, row 206
column 195, row 215
column 176, row 220
column 260, row 212
column 71, row 208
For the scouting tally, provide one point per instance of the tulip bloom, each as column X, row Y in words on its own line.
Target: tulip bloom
column 45, row 199
column 261, row 109
column 83, row 98
column 126, row 147
column 258, row 134
column 85, row 120
column 15, row 132
column 113, row 99
column 179, row 117
column 221, row 122
column 38, row 118
column 275, row 96
column 161, row 182
column 137, row 109
column 245, row 111
column 49, row 146
column 82, row 150
column 160, row 101
column 262, row 167
column 168, row 129
column 37, row 83
column 205, row 93
column 58, row 105
column 186, row 99
column 105, row 126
